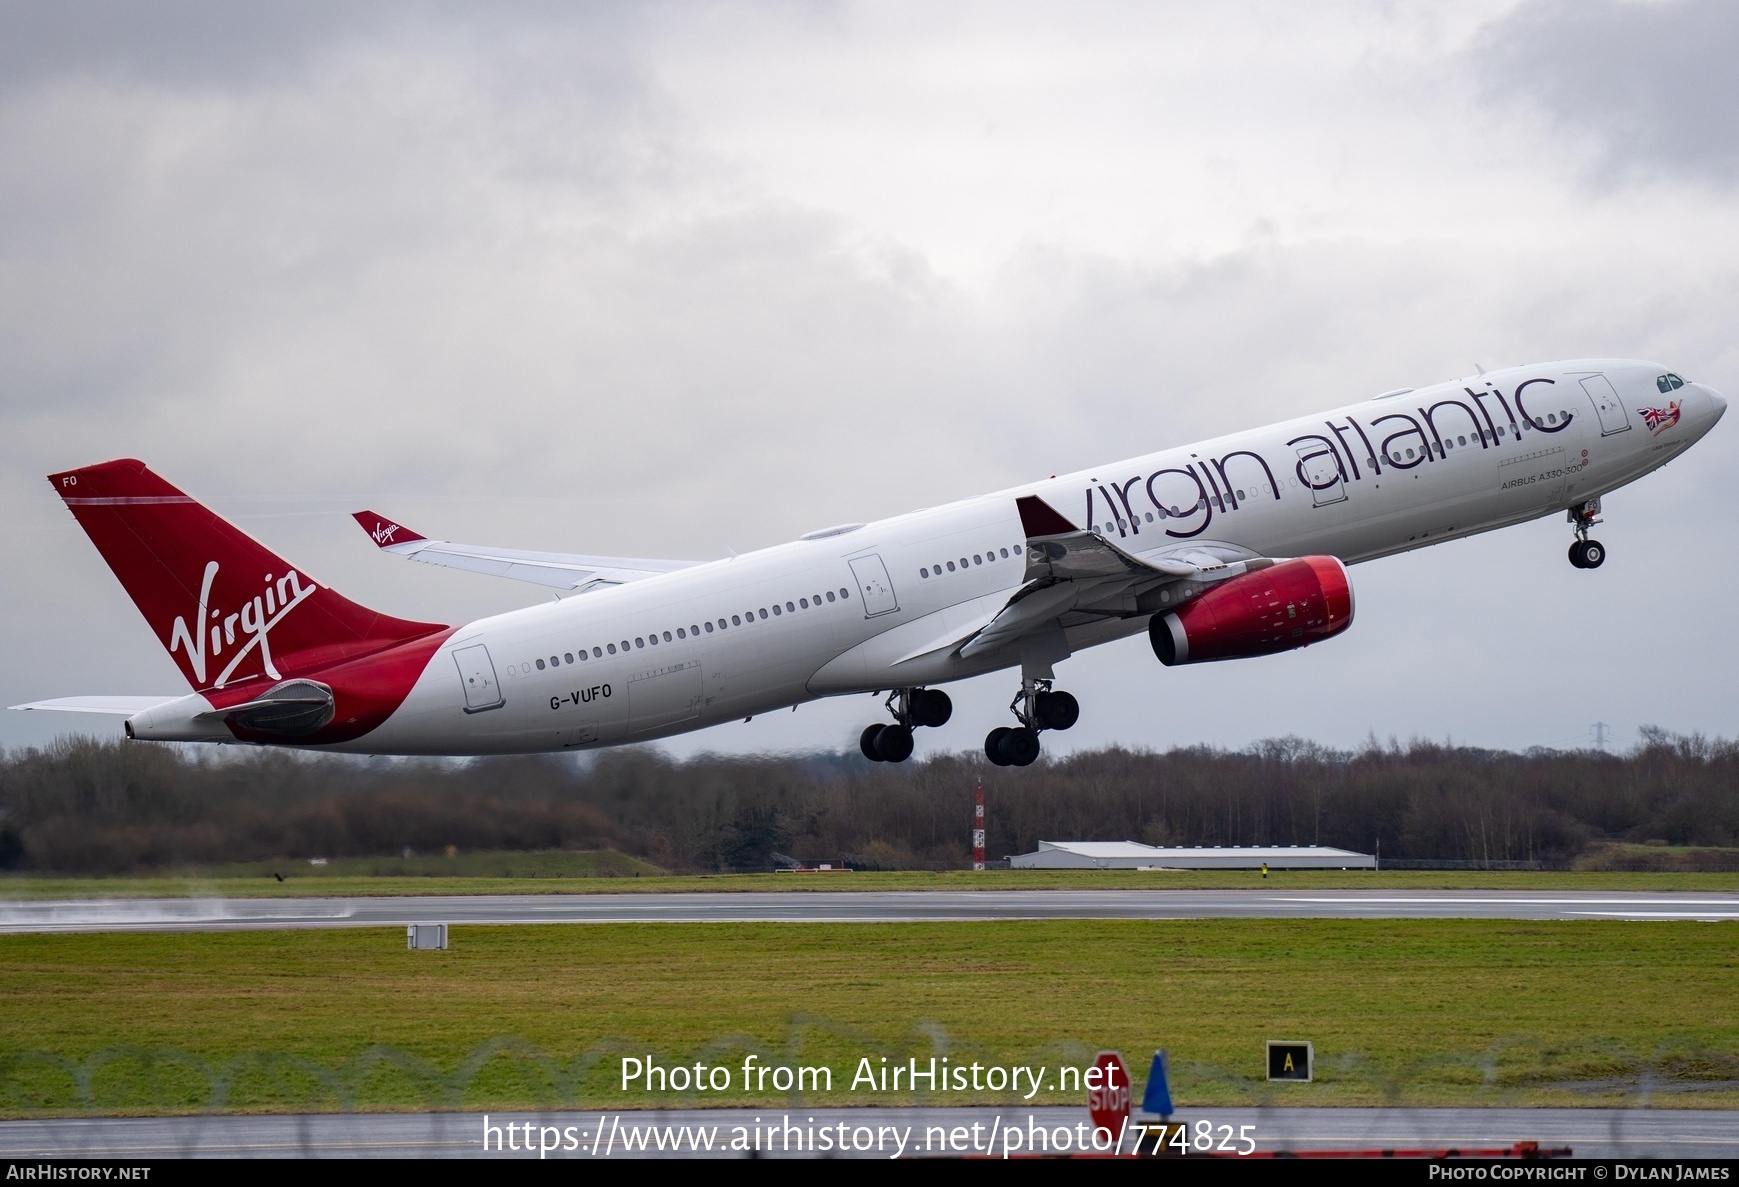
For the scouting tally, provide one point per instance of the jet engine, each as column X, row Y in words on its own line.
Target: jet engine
column 1291, row 604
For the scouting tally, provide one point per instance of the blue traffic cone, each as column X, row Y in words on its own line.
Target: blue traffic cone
column 1156, row 1100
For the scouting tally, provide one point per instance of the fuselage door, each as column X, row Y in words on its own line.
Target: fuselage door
column 477, row 675
column 1607, row 406
column 874, row 585
column 1320, row 469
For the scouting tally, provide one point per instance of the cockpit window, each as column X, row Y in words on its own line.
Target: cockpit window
column 1668, row 382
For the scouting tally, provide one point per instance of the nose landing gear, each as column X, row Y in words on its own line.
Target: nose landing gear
column 1037, row 708
column 911, row 707
column 1586, row 553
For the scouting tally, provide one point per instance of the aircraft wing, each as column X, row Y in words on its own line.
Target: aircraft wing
column 559, row 570
column 1076, row 572
column 119, row 706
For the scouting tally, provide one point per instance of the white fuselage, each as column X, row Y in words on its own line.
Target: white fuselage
column 854, row 612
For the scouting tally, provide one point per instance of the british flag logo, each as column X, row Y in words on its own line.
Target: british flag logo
column 1659, row 420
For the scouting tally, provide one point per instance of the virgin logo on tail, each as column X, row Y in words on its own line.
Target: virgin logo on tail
column 214, row 631
column 384, row 532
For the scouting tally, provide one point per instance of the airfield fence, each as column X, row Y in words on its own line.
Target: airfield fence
column 510, row 1074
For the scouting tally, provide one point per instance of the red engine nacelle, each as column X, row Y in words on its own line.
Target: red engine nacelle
column 1292, row 604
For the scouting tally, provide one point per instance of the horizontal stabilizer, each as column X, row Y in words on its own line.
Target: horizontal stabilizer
column 119, row 706
column 558, row 570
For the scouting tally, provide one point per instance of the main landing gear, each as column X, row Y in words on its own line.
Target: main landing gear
column 911, row 707
column 1037, row 708
column 1586, row 553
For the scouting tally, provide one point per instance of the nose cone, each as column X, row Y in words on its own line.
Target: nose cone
column 1717, row 405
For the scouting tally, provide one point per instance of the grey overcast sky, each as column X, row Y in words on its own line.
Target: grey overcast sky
column 673, row 279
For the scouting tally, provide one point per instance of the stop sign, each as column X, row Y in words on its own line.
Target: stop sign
column 1109, row 1101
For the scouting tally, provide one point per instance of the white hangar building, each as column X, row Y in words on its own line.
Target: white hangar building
column 1131, row 855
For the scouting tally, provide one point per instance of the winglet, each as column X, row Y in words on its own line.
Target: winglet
column 383, row 531
column 1039, row 518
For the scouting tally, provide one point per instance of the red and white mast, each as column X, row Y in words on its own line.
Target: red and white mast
column 978, row 829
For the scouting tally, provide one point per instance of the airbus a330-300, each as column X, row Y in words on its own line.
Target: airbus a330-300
column 1230, row 548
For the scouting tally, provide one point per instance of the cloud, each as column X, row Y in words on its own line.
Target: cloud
column 1651, row 84
column 676, row 279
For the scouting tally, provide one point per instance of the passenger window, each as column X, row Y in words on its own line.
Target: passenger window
column 681, row 634
column 830, row 595
column 977, row 559
column 815, row 599
column 583, row 656
column 597, row 653
column 721, row 624
column 1461, row 441
column 735, row 621
column 1500, row 430
column 925, row 573
column 709, row 626
column 790, row 607
column 763, row 612
column 640, row 642
column 568, row 656
column 844, row 596
column 540, row 665
column 963, row 562
column 1409, row 455
column 667, row 636
column 612, row 649
column 693, row 630
column 1005, row 554
column 775, row 610
column 804, row 602
column 950, row 568
column 654, row 637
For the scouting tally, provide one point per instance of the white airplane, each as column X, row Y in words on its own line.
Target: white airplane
column 1186, row 544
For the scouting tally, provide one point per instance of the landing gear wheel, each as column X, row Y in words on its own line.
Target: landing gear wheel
column 894, row 743
column 1056, row 710
column 867, row 743
column 932, row 708
column 1593, row 554
column 1021, row 746
column 1576, row 547
column 993, row 745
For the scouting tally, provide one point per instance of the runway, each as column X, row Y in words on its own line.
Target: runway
column 1590, row 1133
column 191, row 914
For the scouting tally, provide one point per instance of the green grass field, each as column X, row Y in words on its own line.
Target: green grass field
column 558, row 872
column 1413, row 1012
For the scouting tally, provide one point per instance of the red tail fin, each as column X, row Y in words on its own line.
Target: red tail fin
column 227, row 608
